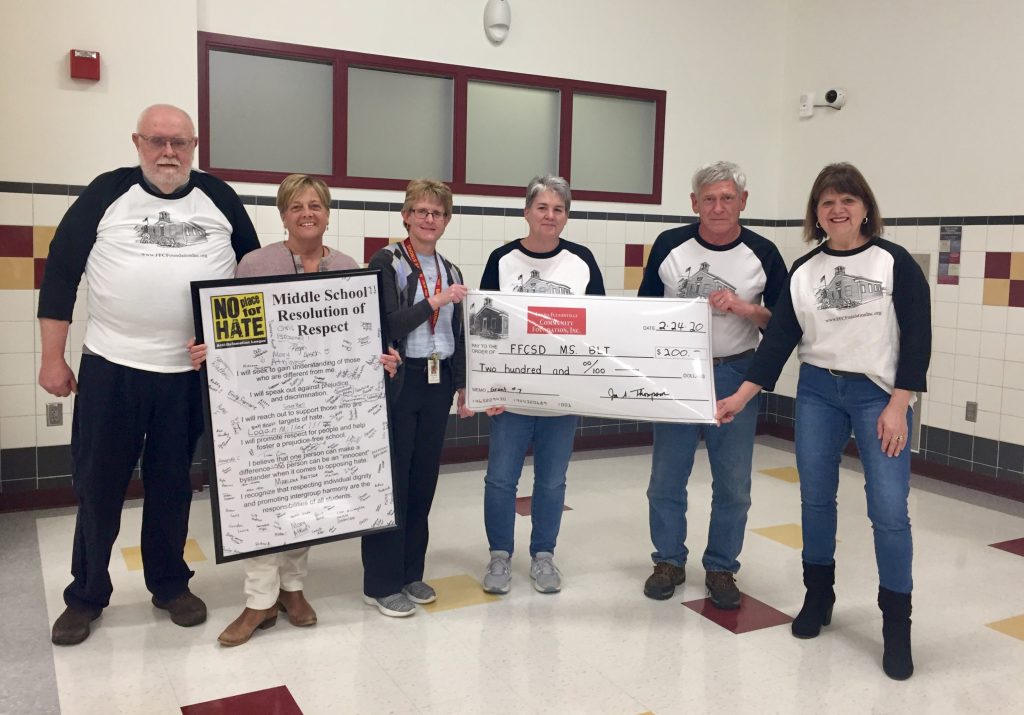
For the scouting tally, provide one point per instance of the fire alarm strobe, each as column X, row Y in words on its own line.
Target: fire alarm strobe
column 85, row 64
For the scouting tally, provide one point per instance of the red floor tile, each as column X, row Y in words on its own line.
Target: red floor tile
column 272, row 701
column 523, row 506
column 752, row 615
column 1014, row 546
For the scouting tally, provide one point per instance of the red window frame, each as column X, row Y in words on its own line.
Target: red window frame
column 341, row 60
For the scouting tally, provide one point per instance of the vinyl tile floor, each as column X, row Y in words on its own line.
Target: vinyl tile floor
column 599, row 646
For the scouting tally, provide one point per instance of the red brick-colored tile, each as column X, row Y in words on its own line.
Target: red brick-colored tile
column 272, row 701
column 752, row 615
column 40, row 269
column 1016, row 294
column 523, row 506
column 1014, row 546
column 371, row 245
column 16, row 241
column 634, row 255
column 997, row 265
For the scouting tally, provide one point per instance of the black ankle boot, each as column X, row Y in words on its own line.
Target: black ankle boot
column 896, row 658
column 818, row 600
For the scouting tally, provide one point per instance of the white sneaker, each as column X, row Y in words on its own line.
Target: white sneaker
column 546, row 576
column 498, row 578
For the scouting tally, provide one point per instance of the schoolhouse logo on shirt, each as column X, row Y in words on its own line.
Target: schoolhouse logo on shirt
column 536, row 284
column 701, row 283
column 170, row 234
column 846, row 291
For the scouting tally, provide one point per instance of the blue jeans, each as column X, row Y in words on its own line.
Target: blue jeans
column 511, row 435
column 730, row 451
column 827, row 409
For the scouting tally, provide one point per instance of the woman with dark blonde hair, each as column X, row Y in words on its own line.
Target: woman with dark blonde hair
column 857, row 308
column 422, row 295
column 273, row 582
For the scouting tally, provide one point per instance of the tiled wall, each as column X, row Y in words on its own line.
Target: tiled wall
column 978, row 351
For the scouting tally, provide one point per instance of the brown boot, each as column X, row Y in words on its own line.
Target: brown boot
column 300, row 613
column 242, row 628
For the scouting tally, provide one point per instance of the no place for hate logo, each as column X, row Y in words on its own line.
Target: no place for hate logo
column 239, row 320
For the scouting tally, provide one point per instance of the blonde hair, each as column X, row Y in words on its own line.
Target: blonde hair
column 430, row 189
column 296, row 183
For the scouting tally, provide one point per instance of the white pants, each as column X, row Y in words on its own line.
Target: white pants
column 266, row 575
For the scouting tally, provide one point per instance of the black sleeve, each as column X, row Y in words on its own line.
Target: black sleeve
column 73, row 241
column 490, row 279
column 775, row 277
column 243, row 233
column 596, row 284
column 911, row 300
column 781, row 336
column 652, row 286
column 400, row 321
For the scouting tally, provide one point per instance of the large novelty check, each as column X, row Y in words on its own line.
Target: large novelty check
column 630, row 358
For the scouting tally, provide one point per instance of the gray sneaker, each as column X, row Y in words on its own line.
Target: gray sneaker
column 498, row 578
column 420, row 592
column 397, row 605
column 546, row 576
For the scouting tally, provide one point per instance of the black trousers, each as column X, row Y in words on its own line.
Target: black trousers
column 419, row 417
column 121, row 413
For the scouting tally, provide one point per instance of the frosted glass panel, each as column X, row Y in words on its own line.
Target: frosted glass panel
column 399, row 125
column 270, row 114
column 612, row 144
column 511, row 133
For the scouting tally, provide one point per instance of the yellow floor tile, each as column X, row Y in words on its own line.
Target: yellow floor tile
column 457, row 592
column 785, row 534
column 786, row 474
column 133, row 555
column 1010, row 626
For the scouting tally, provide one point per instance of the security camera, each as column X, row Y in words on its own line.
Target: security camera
column 835, row 98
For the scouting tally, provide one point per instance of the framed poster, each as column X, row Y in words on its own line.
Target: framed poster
column 297, row 410
column 602, row 356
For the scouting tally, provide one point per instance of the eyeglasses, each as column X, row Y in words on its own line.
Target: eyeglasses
column 177, row 143
column 423, row 213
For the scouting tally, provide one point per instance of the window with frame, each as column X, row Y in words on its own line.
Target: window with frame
column 268, row 109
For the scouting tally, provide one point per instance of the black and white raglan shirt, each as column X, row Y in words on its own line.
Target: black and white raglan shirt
column 866, row 310
column 568, row 269
column 683, row 265
column 139, row 250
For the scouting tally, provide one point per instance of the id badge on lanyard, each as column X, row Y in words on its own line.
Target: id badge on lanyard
column 434, row 369
column 434, row 361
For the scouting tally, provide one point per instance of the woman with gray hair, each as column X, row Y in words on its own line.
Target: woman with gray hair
column 542, row 262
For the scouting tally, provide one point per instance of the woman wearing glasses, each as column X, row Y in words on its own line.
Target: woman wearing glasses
column 422, row 296
column 273, row 582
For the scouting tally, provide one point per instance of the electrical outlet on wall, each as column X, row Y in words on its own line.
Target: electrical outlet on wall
column 971, row 414
column 54, row 414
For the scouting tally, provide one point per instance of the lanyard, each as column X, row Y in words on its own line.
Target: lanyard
column 423, row 280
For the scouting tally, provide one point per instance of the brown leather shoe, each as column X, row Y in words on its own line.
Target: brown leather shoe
column 300, row 613
column 186, row 609
column 242, row 628
column 72, row 626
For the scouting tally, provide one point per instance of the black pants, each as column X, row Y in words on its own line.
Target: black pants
column 419, row 416
column 120, row 413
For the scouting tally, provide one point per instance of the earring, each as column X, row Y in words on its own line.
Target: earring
column 865, row 221
column 817, row 225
